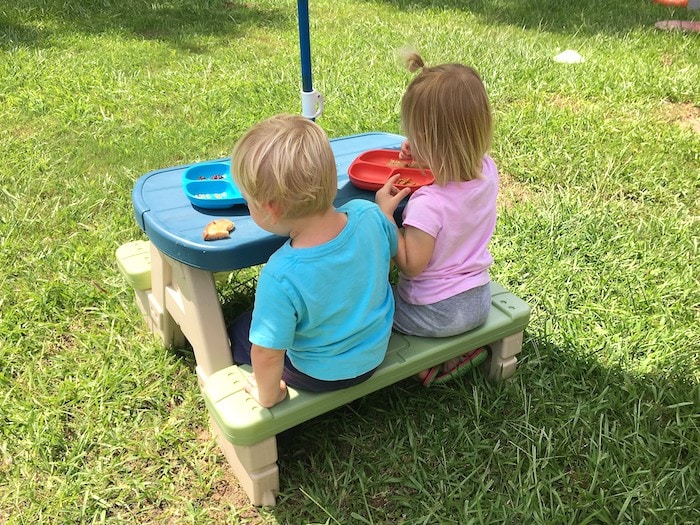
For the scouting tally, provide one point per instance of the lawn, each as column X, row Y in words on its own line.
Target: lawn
column 598, row 230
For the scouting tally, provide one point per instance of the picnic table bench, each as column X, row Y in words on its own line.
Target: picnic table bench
column 246, row 432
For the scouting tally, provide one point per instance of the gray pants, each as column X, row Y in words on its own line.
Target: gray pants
column 452, row 316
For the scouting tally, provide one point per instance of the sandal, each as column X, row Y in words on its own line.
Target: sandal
column 466, row 363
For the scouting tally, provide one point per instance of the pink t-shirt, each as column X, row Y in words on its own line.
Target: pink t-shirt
column 461, row 216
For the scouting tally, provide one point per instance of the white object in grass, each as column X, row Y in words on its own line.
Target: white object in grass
column 569, row 57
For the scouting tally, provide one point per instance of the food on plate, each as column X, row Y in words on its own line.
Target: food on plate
column 394, row 163
column 405, row 181
column 218, row 229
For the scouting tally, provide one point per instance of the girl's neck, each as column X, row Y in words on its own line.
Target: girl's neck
column 317, row 229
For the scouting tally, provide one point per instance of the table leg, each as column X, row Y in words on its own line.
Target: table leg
column 161, row 322
column 255, row 466
column 192, row 303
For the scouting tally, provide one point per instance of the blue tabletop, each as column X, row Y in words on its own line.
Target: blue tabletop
column 175, row 226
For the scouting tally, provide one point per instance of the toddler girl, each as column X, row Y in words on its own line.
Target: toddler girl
column 443, row 254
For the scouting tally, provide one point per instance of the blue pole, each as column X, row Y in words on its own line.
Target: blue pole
column 304, row 45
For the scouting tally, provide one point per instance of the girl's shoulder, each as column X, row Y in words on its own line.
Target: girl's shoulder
column 489, row 168
column 451, row 190
column 487, row 178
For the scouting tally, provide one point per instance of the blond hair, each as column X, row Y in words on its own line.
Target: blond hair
column 446, row 115
column 286, row 160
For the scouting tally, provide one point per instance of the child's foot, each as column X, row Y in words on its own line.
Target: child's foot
column 452, row 368
column 447, row 366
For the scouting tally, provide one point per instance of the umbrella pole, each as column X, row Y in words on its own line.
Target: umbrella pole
column 311, row 100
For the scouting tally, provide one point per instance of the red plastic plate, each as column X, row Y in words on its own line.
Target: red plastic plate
column 371, row 169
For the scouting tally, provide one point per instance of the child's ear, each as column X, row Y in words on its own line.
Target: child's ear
column 273, row 210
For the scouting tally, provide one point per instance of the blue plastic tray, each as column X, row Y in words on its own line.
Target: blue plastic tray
column 209, row 185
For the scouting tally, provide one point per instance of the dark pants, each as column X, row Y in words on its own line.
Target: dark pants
column 238, row 333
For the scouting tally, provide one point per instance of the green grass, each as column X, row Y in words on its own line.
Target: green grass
column 598, row 230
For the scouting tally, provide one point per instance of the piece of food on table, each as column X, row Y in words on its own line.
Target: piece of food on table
column 218, row 229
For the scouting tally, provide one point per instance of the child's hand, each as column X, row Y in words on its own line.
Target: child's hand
column 389, row 196
column 405, row 153
column 252, row 389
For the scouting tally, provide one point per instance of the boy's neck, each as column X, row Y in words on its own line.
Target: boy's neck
column 318, row 229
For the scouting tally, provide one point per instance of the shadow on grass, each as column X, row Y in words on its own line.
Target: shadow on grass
column 35, row 23
column 590, row 436
column 584, row 17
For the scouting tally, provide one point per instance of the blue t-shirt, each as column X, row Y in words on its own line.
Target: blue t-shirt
column 331, row 306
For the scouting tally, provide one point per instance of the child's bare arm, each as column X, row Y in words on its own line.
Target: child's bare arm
column 267, row 388
column 415, row 250
column 415, row 246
